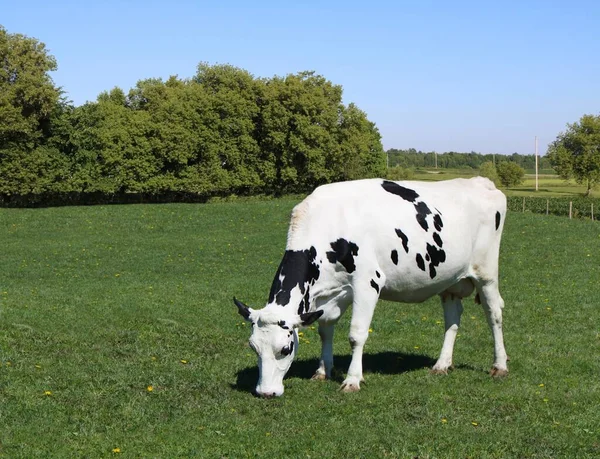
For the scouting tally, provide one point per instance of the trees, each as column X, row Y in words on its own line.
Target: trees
column 510, row 174
column 28, row 103
column 576, row 152
column 223, row 131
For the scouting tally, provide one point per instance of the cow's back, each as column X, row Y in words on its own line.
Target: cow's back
column 423, row 237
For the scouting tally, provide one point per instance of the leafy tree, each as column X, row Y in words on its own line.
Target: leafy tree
column 510, row 174
column 361, row 154
column 576, row 152
column 27, row 93
column 488, row 169
column 28, row 103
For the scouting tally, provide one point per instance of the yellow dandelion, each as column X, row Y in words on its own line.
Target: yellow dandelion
column 438, row 322
column 38, row 366
column 47, row 392
column 541, row 385
column 268, row 434
column 474, row 424
column 153, row 358
column 117, row 275
column 300, row 333
column 370, row 330
column 444, row 421
column 545, row 400
column 184, row 361
column 116, row 450
column 8, row 364
column 416, row 347
column 149, row 388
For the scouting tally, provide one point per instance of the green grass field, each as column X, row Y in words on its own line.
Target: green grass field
column 118, row 337
column 550, row 185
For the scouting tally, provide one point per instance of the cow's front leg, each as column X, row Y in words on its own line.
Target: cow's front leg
column 326, row 363
column 453, row 309
column 362, row 313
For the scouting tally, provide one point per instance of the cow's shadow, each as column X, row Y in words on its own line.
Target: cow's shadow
column 389, row 363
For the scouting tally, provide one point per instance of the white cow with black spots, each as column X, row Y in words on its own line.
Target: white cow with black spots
column 352, row 243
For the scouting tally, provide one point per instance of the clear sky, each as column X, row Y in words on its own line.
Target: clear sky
column 433, row 75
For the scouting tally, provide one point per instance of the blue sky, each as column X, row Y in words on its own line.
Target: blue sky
column 433, row 75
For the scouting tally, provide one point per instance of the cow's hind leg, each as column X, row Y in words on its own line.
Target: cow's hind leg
column 326, row 363
column 363, row 306
column 493, row 304
column 453, row 309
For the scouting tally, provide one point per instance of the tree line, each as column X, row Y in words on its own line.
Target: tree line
column 411, row 158
column 222, row 131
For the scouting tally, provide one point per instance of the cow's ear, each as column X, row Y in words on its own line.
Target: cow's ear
column 244, row 310
column 309, row 317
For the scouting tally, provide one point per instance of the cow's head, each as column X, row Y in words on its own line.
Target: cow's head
column 275, row 340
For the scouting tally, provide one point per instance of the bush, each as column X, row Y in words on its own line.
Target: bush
column 510, row 174
column 399, row 173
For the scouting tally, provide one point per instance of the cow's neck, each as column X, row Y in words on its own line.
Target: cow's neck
column 297, row 273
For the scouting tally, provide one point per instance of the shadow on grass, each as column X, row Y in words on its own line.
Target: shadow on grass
column 389, row 363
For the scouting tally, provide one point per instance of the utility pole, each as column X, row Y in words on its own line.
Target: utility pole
column 536, row 164
column 435, row 153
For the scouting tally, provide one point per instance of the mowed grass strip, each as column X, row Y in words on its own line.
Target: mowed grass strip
column 118, row 337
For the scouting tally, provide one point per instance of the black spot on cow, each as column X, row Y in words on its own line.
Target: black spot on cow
column 395, row 257
column 405, row 193
column 420, row 262
column 374, row 285
column 304, row 305
column 438, row 239
column 497, row 220
column 377, row 274
column 437, row 222
column 404, row 238
column 437, row 256
column 282, row 324
column 298, row 268
column 422, row 212
column 343, row 252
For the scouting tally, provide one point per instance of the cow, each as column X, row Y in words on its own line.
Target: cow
column 351, row 243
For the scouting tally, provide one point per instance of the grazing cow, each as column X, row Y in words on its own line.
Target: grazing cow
column 352, row 243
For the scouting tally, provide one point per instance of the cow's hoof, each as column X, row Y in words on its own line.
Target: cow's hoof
column 439, row 371
column 350, row 387
column 319, row 377
column 498, row 372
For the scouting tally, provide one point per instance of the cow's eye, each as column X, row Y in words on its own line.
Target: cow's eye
column 287, row 350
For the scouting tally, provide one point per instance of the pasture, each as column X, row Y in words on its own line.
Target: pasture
column 118, row 337
column 550, row 185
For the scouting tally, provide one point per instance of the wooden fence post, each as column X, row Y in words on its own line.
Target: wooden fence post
column 570, row 209
column 592, row 211
column 523, row 203
column 547, row 204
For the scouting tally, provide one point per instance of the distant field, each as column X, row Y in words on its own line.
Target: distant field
column 118, row 334
column 549, row 184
